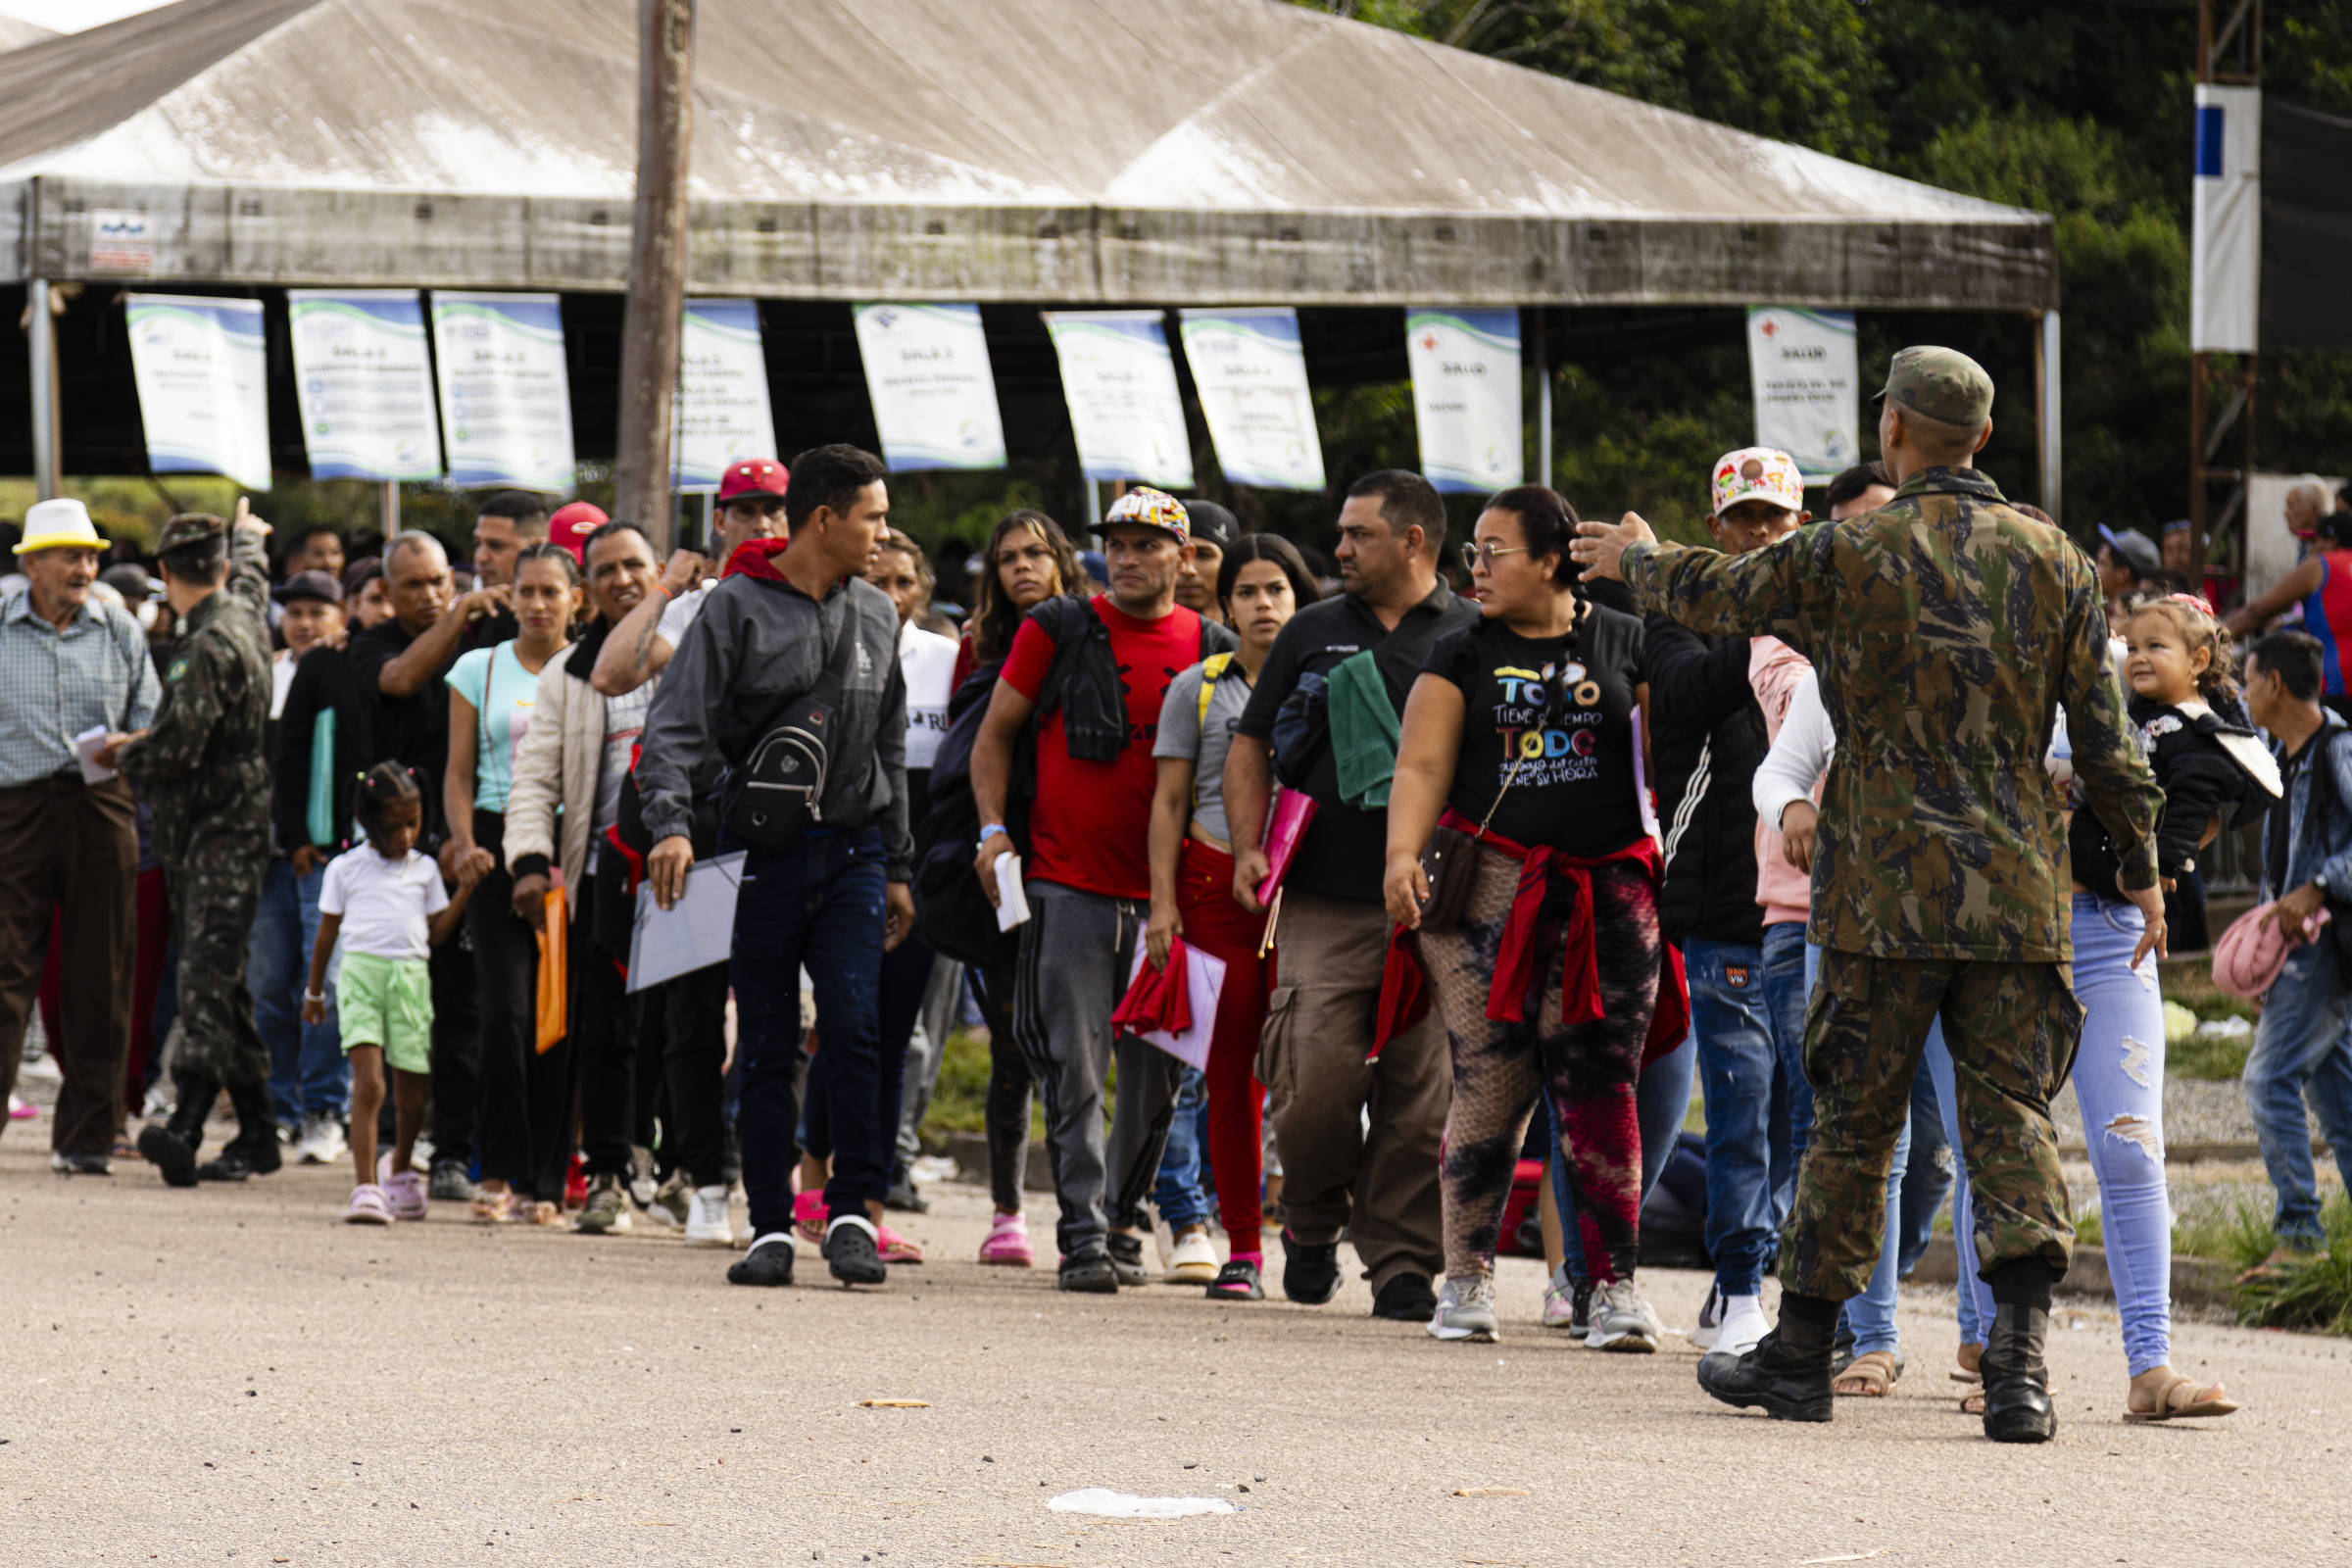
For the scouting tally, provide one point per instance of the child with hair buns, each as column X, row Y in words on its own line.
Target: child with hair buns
column 387, row 905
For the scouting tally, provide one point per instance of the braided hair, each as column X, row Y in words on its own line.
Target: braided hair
column 382, row 787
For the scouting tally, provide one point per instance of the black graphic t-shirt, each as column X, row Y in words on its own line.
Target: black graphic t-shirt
column 1565, row 717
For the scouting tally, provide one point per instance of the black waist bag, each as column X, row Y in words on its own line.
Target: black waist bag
column 777, row 792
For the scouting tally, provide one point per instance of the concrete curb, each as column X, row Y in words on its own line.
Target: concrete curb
column 2196, row 1281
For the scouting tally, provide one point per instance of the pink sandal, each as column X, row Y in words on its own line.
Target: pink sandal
column 809, row 1217
column 1007, row 1242
column 367, row 1207
column 404, row 1191
column 896, row 1249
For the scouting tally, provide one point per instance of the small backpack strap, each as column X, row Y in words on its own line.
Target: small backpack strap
column 1211, row 669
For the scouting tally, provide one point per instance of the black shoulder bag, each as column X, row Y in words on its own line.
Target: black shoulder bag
column 776, row 794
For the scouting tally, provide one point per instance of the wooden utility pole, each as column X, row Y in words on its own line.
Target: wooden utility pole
column 651, row 330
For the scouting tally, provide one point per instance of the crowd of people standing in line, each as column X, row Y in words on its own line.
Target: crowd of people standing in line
column 1619, row 816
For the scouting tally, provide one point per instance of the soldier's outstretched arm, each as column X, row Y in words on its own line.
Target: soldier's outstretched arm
column 248, row 561
column 1777, row 591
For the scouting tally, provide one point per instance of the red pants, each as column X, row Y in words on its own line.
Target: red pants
column 1218, row 926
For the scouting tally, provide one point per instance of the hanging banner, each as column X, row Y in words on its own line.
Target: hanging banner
column 2225, row 252
column 365, row 383
column 202, row 374
column 1802, row 368
column 1251, row 373
column 722, row 414
column 1120, row 381
column 1466, row 397
column 505, row 402
column 935, row 398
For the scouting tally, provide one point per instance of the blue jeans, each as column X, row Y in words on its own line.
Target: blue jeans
column 2302, row 1046
column 1870, row 1316
column 1746, row 1109
column 1927, row 1173
column 1661, row 1099
column 818, row 903
column 1787, row 984
column 309, row 1075
column 1177, row 1194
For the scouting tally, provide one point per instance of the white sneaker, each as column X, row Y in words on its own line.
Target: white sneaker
column 322, row 1141
column 1622, row 1320
column 1193, row 1259
column 1710, row 1320
column 1465, row 1312
column 707, row 1222
column 1559, row 1299
column 1744, row 1325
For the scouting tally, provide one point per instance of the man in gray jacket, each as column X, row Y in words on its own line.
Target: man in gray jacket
column 792, row 620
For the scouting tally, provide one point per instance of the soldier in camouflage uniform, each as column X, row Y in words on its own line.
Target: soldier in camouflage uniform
column 200, row 768
column 1947, row 629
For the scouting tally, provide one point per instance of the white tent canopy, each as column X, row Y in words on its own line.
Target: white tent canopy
column 1056, row 151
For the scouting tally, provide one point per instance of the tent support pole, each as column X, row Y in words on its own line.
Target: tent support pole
column 390, row 524
column 43, row 333
column 1542, row 364
column 653, row 324
column 2047, row 413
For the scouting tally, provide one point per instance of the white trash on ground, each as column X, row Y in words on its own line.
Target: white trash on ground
column 1109, row 1504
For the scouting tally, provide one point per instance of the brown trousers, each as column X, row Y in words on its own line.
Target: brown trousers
column 71, row 851
column 1381, row 1184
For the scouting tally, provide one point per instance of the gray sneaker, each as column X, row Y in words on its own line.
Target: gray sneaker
column 448, row 1183
column 672, row 1206
column 608, row 1211
column 1465, row 1312
column 1622, row 1320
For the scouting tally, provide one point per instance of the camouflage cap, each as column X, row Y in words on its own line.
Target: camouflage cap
column 1942, row 384
column 190, row 528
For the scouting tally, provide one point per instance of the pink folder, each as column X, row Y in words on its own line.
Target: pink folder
column 1286, row 825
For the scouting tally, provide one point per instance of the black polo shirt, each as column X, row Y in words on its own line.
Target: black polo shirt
column 1345, row 850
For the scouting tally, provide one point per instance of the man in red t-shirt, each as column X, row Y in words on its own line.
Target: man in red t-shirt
column 1088, row 876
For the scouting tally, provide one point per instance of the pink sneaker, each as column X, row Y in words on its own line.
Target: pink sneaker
column 367, row 1207
column 18, row 1110
column 896, row 1249
column 403, row 1192
column 809, row 1217
column 1007, row 1242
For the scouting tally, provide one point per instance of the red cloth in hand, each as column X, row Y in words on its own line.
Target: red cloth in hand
column 1159, row 1000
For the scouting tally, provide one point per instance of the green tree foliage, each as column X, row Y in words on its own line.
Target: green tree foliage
column 2080, row 108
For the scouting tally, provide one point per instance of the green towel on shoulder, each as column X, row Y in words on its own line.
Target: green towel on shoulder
column 1364, row 731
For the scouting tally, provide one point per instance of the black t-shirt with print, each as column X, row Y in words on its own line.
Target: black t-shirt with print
column 1575, row 786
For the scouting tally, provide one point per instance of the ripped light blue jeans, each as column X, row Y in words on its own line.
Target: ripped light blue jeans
column 2119, row 1082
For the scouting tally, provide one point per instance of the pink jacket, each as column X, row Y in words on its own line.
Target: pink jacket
column 1774, row 669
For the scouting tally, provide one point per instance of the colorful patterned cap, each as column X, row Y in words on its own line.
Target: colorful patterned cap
column 1147, row 508
column 1757, row 473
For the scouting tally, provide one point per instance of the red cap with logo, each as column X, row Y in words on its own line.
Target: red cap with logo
column 754, row 476
column 571, row 525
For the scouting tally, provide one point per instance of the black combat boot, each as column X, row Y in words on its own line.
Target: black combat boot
column 171, row 1145
column 254, row 1150
column 2017, row 1383
column 1788, row 1374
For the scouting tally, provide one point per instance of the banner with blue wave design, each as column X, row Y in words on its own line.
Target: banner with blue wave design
column 201, row 368
column 363, row 378
column 1466, row 400
column 934, row 394
column 506, row 403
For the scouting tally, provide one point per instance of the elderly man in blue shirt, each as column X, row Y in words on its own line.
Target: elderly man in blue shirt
column 69, row 850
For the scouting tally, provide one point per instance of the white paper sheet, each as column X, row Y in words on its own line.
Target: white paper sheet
column 86, row 752
column 695, row 933
column 1204, row 983
column 1012, row 903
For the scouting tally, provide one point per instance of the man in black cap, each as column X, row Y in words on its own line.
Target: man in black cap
column 1215, row 529
column 199, row 767
column 310, row 1081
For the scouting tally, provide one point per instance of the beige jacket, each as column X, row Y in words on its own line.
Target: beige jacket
column 557, row 766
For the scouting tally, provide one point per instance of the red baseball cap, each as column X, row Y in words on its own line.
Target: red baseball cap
column 751, row 477
column 571, row 525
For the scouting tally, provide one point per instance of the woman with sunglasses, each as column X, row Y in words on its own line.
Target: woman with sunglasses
column 1519, row 739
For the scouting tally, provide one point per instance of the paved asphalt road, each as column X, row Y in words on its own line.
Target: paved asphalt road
column 227, row 1375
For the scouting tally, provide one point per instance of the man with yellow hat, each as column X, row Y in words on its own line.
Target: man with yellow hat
column 69, row 847
column 201, row 771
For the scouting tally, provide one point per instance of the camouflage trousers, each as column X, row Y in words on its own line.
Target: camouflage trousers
column 2012, row 1029
column 216, row 889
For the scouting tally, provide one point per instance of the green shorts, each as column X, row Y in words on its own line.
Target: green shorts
column 387, row 1003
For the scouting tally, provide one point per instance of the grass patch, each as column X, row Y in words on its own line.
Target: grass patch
column 2310, row 1292
column 959, row 1103
column 2204, row 1057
